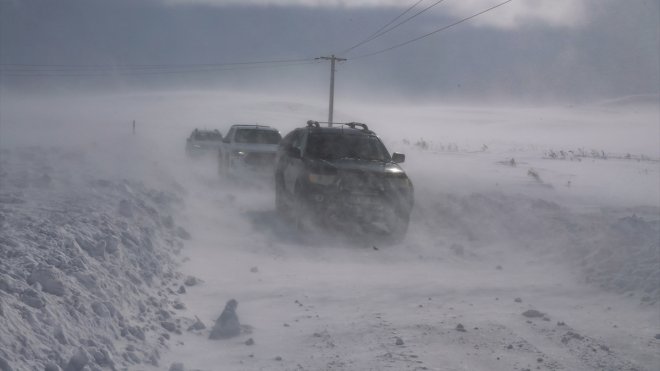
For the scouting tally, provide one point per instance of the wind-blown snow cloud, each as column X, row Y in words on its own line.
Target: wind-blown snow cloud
column 557, row 13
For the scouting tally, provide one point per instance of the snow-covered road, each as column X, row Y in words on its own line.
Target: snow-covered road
column 326, row 303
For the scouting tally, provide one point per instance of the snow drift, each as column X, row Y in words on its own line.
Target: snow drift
column 87, row 265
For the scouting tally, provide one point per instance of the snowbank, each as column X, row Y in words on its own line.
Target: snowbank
column 616, row 249
column 87, row 265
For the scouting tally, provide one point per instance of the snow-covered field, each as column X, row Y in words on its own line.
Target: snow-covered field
column 551, row 209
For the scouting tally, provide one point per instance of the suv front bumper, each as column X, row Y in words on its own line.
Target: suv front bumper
column 357, row 207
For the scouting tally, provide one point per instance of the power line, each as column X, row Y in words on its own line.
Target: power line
column 433, row 32
column 15, row 67
column 93, row 73
column 381, row 33
column 84, row 70
column 370, row 37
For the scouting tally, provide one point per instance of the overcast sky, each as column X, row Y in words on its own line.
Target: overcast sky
column 568, row 50
column 552, row 12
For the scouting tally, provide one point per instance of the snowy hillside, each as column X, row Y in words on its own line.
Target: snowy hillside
column 88, row 264
column 534, row 242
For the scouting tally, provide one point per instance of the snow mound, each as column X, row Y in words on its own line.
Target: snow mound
column 87, row 265
column 616, row 249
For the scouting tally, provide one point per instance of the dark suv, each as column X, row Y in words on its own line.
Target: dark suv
column 342, row 174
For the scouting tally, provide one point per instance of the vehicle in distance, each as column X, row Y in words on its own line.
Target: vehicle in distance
column 201, row 142
column 343, row 174
column 249, row 148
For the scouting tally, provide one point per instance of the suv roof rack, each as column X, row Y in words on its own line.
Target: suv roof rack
column 254, row 126
column 352, row 125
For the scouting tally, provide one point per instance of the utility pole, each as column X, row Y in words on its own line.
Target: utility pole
column 332, row 60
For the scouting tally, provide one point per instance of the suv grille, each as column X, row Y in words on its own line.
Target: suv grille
column 361, row 183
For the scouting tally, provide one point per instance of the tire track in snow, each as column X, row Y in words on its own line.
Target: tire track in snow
column 577, row 350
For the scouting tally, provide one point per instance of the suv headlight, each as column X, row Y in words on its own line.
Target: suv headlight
column 400, row 182
column 322, row 179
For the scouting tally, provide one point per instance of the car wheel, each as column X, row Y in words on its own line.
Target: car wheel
column 300, row 213
column 224, row 168
column 281, row 205
column 221, row 166
column 397, row 225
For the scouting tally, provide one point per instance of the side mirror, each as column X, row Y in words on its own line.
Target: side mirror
column 225, row 140
column 294, row 152
column 398, row 158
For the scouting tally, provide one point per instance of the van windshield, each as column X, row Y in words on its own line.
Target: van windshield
column 257, row 136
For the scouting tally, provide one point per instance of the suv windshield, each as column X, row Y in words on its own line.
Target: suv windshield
column 331, row 146
column 257, row 136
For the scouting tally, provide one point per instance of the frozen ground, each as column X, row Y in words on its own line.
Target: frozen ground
column 554, row 209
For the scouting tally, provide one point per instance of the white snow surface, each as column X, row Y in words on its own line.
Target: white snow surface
column 555, row 209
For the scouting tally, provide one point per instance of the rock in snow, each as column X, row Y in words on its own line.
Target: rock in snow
column 48, row 279
column 169, row 326
column 227, row 325
column 32, row 298
column 198, row 325
column 77, row 361
column 533, row 313
column 182, row 233
column 190, row 281
column 52, row 367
